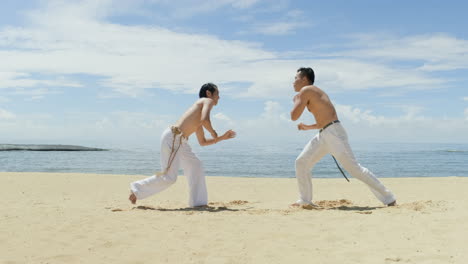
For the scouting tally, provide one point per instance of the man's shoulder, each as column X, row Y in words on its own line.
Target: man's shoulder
column 309, row 90
column 204, row 100
column 312, row 90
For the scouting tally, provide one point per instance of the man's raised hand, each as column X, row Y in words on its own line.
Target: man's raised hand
column 228, row 135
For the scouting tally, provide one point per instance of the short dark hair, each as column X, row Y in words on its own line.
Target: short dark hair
column 307, row 72
column 207, row 87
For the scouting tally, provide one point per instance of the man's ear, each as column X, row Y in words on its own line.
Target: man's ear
column 209, row 94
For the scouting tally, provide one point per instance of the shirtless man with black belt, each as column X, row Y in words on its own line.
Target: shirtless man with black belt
column 332, row 139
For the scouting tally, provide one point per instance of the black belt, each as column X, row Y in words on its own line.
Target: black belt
column 329, row 124
column 340, row 168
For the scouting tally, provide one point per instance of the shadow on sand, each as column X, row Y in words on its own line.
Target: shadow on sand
column 211, row 209
column 355, row 208
column 215, row 207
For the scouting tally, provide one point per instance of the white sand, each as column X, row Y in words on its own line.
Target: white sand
column 86, row 218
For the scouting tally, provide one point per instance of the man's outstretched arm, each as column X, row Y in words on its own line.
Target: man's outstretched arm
column 206, row 142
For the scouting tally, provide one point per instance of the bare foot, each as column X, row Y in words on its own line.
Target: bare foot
column 392, row 203
column 132, row 198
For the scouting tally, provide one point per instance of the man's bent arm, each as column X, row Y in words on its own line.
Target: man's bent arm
column 299, row 106
column 205, row 116
column 303, row 126
column 202, row 140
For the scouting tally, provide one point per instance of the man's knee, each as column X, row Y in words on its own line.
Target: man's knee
column 197, row 165
column 358, row 171
column 301, row 163
column 169, row 180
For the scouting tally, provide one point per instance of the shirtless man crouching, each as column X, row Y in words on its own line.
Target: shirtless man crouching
column 176, row 152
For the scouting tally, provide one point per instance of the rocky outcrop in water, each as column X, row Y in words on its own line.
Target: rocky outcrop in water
column 27, row 147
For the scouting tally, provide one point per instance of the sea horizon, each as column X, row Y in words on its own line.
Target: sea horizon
column 258, row 160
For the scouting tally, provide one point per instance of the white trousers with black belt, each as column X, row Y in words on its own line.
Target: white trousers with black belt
column 185, row 159
column 334, row 140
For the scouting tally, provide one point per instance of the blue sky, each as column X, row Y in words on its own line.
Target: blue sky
column 108, row 71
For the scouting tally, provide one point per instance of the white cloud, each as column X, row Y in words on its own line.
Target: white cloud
column 21, row 79
column 411, row 126
column 130, row 59
column 127, row 59
column 6, row 115
column 277, row 28
column 273, row 111
column 362, row 125
column 271, row 126
column 34, row 93
column 465, row 98
column 435, row 52
column 183, row 9
column 244, row 3
column 4, row 99
column 359, row 116
column 225, row 122
column 222, row 116
column 83, row 126
column 348, row 74
column 284, row 23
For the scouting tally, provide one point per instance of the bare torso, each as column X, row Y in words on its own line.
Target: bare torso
column 319, row 104
column 190, row 121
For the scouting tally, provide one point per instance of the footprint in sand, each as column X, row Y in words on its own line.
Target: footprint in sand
column 334, row 203
column 422, row 206
column 325, row 205
column 238, row 202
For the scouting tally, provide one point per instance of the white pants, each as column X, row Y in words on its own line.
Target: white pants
column 185, row 158
column 334, row 140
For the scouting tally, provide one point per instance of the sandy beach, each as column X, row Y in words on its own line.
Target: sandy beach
column 86, row 218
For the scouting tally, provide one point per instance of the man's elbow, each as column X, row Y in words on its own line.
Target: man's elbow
column 294, row 117
column 205, row 120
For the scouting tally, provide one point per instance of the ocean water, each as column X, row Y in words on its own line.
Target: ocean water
column 252, row 160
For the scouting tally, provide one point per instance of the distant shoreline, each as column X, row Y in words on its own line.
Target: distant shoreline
column 46, row 147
